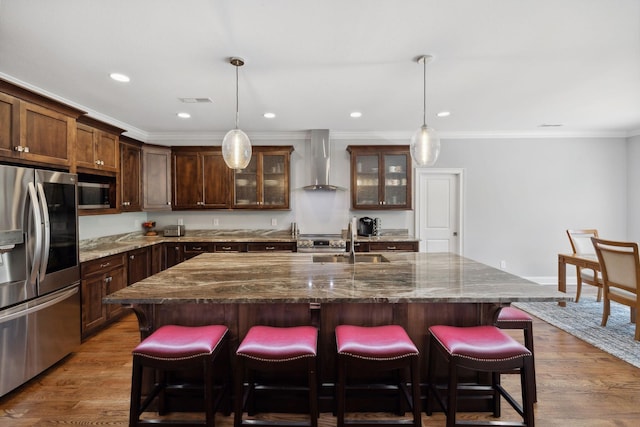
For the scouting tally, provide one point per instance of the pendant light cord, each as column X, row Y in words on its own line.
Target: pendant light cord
column 424, row 91
column 237, row 102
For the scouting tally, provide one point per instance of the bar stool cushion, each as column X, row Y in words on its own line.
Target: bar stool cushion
column 512, row 314
column 478, row 342
column 273, row 344
column 374, row 342
column 173, row 342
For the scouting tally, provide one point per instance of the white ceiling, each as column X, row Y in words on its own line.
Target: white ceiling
column 500, row 67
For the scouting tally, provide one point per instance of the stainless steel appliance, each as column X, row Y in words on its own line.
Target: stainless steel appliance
column 365, row 226
column 321, row 243
column 39, row 272
column 94, row 195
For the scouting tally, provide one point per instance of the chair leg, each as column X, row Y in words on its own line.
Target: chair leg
column 136, row 391
column 599, row 297
column 579, row 284
column 239, row 394
column 606, row 306
column 528, row 342
column 452, row 403
column 313, row 392
column 209, row 404
column 527, row 377
column 415, row 390
column 341, row 391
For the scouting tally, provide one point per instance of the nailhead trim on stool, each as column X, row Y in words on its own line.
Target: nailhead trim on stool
column 267, row 348
column 377, row 348
column 175, row 348
column 484, row 349
column 512, row 318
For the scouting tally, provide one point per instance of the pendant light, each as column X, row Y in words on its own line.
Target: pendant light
column 236, row 147
column 425, row 143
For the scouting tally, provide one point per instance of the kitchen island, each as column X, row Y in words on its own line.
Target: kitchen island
column 415, row 290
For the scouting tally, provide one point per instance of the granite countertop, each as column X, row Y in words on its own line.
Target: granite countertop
column 91, row 249
column 295, row 278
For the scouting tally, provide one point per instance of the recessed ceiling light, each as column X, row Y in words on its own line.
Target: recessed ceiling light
column 119, row 77
column 444, row 114
column 550, row 125
column 269, row 115
column 356, row 114
column 184, row 115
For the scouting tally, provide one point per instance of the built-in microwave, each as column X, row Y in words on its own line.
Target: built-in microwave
column 93, row 195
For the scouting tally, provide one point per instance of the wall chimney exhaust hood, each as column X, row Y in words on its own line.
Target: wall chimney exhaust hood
column 319, row 162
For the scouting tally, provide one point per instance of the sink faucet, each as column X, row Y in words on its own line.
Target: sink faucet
column 351, row 238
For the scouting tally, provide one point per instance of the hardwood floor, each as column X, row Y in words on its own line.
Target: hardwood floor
column 578, row 385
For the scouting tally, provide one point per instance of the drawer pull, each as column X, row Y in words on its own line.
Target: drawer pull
column 226, row 248
column 132, row 257
column 269, row 248
column 391, row 248
column 106, row 264
column 196, row 248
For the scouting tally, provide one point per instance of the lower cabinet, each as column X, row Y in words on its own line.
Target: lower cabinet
column 271, row 247
column 101, row 277
column 386, row 246
column 139, row 265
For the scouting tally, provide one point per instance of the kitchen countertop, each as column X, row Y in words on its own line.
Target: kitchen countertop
column 295, row 278
column 91, row 249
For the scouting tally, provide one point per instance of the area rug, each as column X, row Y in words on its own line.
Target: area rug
column 583, row 319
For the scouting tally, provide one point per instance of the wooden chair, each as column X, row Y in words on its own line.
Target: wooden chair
column 620, row 266
column 581, row 245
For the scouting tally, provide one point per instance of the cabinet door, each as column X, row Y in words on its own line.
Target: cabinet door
column 157, row 259
column 216, row 181
column 172, row 254
column 9, row 121
column 93, row 311
column 108, row 151
column 367, row 181
column 85, row 146
column 245, row 193
column 45, row 134
column 156, row 178
column 275, row 182
column 187, row 180
column 130, row 188
column 115, row 280
column 139, row 265
column 395, row 172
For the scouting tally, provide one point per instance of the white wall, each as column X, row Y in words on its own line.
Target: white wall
column 520, row 196
column 633, row 189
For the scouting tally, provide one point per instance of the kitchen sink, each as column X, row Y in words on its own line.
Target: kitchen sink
column 344, row 258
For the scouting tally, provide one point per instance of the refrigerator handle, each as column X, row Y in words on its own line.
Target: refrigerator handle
column 53, row 301
column 37, row 253
column 47, row 232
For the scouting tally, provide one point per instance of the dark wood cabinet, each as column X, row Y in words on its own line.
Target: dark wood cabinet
column 380, row 177
column 9, row 125
column 201, row 179
column 271, row 247
column 264, row 183
column 190, row 250
column 97, row 146
column 157, row 259
column 156, row 178
column 388, row 246
column 99, row 278
column 172, row 254
column 130, row 175
column 139, row 265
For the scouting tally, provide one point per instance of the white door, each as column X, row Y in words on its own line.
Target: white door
column 439, row 210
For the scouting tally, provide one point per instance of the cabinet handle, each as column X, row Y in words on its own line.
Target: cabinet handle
column 18, row 148
column 198, row 248
column 226, row 248
column 106, row 264
column 391, row 248
column 269, row 248
column 26, row 149
column 108, row 279
column 132, row 257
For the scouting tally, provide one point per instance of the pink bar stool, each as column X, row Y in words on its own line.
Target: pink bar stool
column 512, row 318
column 280, row 350
column 377, row 348
column 483, row 349
column 176, row 348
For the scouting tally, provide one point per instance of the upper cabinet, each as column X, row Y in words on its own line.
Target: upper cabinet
column 35, row 129
column 380, row 177
column 97, row 146
column 264, row 183
column 130, row 174
column 156, row 178
column 201, row 178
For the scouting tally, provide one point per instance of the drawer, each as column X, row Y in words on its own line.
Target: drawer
column 103, row 264
column 271, row 247
column 393, row 246
column 228, row 247
column 197, row 247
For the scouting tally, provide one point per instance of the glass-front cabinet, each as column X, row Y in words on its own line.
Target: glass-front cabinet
column 380, row 177
column 264, row 183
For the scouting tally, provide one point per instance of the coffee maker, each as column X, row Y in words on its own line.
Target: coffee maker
column 365, row 226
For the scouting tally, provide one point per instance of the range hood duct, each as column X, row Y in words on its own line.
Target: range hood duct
column 319, row 161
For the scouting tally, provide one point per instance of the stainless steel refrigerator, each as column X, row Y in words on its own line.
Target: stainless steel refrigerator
column 39, row 272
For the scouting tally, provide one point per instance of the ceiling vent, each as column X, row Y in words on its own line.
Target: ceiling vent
column 196, row 100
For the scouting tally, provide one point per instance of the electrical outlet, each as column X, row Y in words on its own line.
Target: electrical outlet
column 503, row 264
column 274, row 222
column 216, row 221
column 180, row 221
